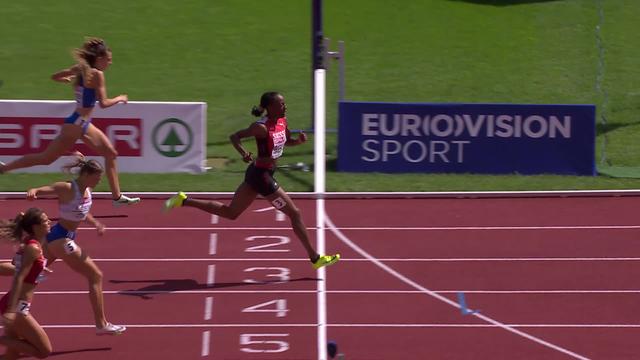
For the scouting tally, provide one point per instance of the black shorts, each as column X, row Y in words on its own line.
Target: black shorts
column 261, row 180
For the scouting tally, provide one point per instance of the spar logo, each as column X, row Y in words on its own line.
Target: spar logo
column 27, row 135
column 172, row 137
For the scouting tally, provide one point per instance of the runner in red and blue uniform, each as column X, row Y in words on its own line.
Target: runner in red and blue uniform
column 23, row 334
column 272, row 135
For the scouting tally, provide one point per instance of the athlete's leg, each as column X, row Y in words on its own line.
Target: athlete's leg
column 61, row 144
column 281, row 201
column 80, row 262
column 242, row 198
column 27, row 336
column 99, row 142
column 7, row 269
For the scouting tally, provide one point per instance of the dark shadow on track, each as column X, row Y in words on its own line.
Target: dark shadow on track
column 167, row 286
column 65, row 352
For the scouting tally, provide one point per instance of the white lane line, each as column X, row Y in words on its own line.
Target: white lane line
column 370, row 325
column 280, row 216
column 206, row 335
column 264, row 209
column 428, row 292
column 391, row 228
column 322, row 283
column 563, row 259
column 392, row 292
column 213, row 243
column 214, row 219
column 208, row 307
column 211, row 275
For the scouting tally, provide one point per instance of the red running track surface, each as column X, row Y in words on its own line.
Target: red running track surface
column 552, row 278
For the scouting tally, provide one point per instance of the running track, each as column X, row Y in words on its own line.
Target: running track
column 552, row 278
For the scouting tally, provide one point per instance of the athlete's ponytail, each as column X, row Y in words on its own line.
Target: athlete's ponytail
column 257, row 111
column 86, row 56
column 265, row 101
column 84, row 166
column 13, row 231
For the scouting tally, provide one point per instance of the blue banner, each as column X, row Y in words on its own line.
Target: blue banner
column 466, row 138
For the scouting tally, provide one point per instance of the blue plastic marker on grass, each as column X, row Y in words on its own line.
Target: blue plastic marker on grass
column 463, row 305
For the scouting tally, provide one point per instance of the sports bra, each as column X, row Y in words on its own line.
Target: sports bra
column 85, row 97
column 78, row 208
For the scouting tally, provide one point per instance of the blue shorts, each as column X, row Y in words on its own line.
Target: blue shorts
column 76, row 119
column 58, row 232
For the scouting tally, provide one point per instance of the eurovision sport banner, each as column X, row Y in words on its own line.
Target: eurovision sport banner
column 150, row 137
column 466, row 138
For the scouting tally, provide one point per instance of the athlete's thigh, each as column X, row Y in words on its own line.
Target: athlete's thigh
column 63, row 142
column 69, row 252
column 242, row 198
column 97, row 140
column 281, row 201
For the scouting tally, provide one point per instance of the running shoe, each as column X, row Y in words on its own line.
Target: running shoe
column 125, row 200
column 175, row 201
column 326, row 260
column 110, row 329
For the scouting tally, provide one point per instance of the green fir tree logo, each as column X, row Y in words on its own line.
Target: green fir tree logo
column 172, row 137
column 172, row 141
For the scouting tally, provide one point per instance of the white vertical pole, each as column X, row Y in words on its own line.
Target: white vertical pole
column 319, row 190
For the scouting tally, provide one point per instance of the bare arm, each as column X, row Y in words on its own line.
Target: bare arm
column 99, row 226
column 60, row 189
column 29, row 255
column 254, row 130
column 65, row 76
column 302, row 138
column 101, row 89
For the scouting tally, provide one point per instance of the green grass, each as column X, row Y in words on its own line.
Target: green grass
column 228, row 52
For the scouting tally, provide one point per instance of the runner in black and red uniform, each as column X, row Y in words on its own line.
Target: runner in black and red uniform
column 23, row 334
column 272, row 135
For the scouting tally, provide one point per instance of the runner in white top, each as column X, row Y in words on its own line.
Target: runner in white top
column 74, row 199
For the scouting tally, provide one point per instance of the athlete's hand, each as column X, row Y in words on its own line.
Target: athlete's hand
column 101, row 228
column 248, row 157
column 302, row 137
column 124, row 98
column 77, row 154
column 32, row 194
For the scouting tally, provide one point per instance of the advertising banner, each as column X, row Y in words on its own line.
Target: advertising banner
column 150, row 137
column 466, row 138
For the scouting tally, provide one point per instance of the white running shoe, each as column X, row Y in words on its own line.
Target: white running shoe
column 125, row 200
column 110, row 329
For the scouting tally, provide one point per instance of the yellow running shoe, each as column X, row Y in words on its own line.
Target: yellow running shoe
column 175, row 201
column 326, row 260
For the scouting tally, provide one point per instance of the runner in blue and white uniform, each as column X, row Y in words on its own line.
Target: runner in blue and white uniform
column 89, row 82
column 74, row 200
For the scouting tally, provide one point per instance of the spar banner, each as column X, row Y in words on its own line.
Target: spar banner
column 150, row 137
column 466, row 138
